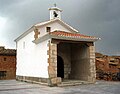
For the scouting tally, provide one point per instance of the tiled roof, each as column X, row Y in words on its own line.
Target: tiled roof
column 71, row 35
column 66, row 36
column 4, row 51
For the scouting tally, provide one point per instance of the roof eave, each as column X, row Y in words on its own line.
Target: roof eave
column 74, row 39
column 8, row 54
column 48, row 36
column 45, row 23
column 56, row 8
column 68, row 26
column 24, row 34
column 41, row 39
column 60, row 21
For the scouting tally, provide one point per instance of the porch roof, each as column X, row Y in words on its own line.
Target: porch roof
column 62, row 35
column 71, row 35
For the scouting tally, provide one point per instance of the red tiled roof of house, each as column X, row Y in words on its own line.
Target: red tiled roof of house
column 4, row 51
column 71, row 35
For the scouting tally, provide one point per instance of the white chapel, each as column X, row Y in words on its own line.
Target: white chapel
column 53, row 52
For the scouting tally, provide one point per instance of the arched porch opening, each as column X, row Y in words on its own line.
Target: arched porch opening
column 60, row 67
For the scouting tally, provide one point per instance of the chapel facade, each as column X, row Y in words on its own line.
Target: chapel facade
column 53, row 52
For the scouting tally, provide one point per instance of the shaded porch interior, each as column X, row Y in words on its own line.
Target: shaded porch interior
column 73, row 61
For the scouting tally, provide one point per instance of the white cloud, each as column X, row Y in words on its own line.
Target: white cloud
column 2, row 23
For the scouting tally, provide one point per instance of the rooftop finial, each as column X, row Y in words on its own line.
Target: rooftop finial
column 55, row 5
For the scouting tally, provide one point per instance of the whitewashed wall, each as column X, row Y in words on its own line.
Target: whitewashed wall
column 54, row 26
column 31, row 58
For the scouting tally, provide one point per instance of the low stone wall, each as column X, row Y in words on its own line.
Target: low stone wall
column 33, row 79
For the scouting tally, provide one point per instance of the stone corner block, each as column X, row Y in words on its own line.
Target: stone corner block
column 56, row 81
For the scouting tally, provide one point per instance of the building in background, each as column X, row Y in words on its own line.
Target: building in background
column 7, row 63
column 107, row 67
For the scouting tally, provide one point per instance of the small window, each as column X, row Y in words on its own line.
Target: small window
column 5, row 58
column 2, row 74
column 23, row 45
column 48, row 29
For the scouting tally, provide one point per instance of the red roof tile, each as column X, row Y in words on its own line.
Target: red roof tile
column 4, row 51
column 71, row 35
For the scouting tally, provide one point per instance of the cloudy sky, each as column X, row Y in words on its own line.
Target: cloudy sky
column 99, row 18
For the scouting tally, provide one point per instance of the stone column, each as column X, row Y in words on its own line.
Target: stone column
column 52, row 68
column 92, row 76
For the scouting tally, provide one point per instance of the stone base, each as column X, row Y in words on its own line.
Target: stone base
column 56, row 81
column 44, row 81
column 52, row 81
column 32, row 79
column 68, row 82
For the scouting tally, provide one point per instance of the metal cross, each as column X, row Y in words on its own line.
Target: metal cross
column 55, row 5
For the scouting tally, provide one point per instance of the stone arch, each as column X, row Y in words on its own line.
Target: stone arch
column 62, row 56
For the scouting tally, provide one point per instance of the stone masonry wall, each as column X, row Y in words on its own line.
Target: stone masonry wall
column 92, row 76
column 79, row 62
column 32, row 79
column 8, row 64
column 64, row 51
column 52, row 68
